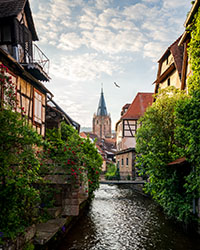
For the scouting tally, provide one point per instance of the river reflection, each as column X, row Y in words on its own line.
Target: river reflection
column 121, row 219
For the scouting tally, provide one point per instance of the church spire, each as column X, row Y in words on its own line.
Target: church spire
column 102, row 110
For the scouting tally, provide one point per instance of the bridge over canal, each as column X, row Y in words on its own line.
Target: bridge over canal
column 119, row 182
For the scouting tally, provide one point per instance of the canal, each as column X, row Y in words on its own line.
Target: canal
column 121, row 219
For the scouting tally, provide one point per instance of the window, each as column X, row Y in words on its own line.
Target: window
column 97, row 122
column 37, row 107
column 127, row 161
column 5, row 33
column 168, row 82
column 122, row 162
column 167, row 61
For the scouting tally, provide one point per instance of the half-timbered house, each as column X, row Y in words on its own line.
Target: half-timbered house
column 27, row 65
column 126, row 129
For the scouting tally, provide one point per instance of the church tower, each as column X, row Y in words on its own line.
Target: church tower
column 102, row 120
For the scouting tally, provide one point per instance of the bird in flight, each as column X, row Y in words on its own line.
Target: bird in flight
column 116, row 85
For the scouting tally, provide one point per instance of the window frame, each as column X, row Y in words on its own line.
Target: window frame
column 36, row 122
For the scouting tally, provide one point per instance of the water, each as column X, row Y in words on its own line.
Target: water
column 121, row 219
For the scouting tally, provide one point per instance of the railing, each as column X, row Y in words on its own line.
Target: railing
column 40, row 58
column 122, row 175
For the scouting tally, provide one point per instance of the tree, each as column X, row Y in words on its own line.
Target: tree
column 158, row 145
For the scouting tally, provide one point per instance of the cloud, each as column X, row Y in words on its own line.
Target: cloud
column 69, row 41
column 102, row 4
column 136, row 12
column 109, row 42
column 171, row 4
column 153, row 50
column 85, row 67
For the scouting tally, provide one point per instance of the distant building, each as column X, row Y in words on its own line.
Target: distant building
column 126, row 129
column 102, row 120
column 106, row 148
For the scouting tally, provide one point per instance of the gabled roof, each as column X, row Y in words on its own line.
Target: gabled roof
column 138, row 106
column 9, row 8
column 177, row 52
column 102, row 110
column 66, row 117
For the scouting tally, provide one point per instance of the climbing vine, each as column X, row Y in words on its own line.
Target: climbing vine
column 78, row 157
column 194, row 53
column 19, row 165
column 25, row 159
column 170, row 130
column 158, row 145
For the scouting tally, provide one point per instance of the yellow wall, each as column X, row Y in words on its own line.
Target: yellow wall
column 165, row 65
column 125, row 170
column 26, row 90
column 174, row 81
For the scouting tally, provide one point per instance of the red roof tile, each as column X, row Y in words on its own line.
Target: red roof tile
column 138, row 106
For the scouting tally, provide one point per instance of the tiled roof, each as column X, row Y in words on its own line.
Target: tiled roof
column 11, row 7
column 177, row 52
column 107, row 144
column 138, row 106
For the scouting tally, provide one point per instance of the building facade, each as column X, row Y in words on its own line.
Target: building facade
column 126, row 129
column 27, row 66
column 170, row 67
column 17, row 34
column 102, row 120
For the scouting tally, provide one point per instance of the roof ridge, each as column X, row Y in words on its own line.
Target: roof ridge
column 175, row 41
column 138, row 105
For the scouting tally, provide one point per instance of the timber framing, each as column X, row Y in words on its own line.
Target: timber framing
column 26, row 85
column 165, row 74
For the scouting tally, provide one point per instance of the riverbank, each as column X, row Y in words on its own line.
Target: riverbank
column 64, row 229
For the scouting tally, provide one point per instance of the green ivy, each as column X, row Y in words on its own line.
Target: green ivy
column 25, row 158
column 170, row 129
column 19, row 170
column 78, row 157
column 158, row 145
column 194, row 54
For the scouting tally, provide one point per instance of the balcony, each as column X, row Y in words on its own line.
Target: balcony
column 37, row 64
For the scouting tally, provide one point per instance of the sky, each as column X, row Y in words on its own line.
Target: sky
column 94, row 42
